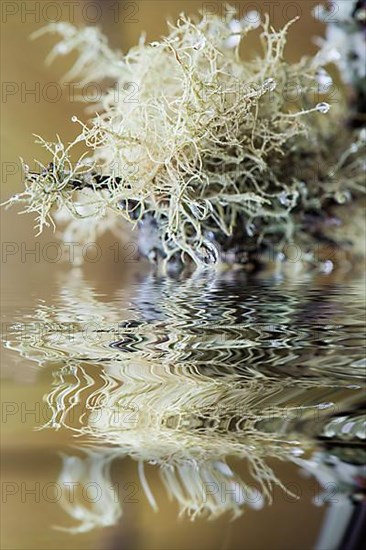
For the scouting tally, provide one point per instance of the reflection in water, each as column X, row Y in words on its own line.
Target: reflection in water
column 196, row 373
column 76, row 474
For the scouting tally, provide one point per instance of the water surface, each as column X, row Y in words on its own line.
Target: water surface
column 135, row 414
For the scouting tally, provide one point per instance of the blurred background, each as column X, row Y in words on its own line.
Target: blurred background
column 35, row 102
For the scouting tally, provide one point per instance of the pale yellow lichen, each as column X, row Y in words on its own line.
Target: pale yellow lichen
column 209, row 144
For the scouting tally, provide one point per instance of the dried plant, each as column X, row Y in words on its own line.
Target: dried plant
column 199, row 147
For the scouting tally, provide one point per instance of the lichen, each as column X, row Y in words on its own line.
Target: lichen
column 207, row 148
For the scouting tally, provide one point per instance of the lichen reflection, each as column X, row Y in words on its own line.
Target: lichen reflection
column 195, row 374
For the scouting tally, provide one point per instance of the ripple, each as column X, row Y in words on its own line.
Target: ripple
column 188, row 374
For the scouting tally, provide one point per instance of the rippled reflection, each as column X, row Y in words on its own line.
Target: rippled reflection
column 196, row 372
